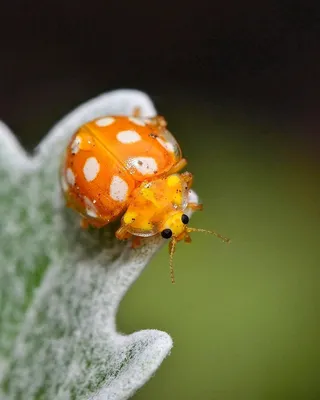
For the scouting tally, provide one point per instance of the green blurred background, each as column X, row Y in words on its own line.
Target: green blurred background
column 239, row 85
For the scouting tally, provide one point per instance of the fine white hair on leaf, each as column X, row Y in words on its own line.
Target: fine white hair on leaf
column 60, row 286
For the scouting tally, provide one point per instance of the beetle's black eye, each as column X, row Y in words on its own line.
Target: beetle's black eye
column 184, row 219
column 166, row 233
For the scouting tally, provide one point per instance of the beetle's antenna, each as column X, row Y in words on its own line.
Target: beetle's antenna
column 172, row 248
column 226, row 240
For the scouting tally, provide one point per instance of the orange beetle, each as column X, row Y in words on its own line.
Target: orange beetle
column 129, row 166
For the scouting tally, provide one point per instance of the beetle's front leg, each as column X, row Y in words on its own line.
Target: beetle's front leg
column 136, row 242
column 195, row 206
column 122, row 233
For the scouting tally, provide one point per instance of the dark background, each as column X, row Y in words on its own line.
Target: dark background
column 261, row 55
column 239, row 84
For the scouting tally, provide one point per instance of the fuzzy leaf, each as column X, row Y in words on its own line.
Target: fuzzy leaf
column 60, row 286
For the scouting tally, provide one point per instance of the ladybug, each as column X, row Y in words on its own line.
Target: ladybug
column 129, row 167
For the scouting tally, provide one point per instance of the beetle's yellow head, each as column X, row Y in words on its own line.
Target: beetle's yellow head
column 175, row 227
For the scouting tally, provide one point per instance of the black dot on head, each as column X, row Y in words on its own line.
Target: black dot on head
column 184, row 219
column 166, row 233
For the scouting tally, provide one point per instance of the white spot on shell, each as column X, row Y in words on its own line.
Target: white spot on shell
column 106, row 121
column 91, row 168
column 64, row 184
column 91, row 213
column 145, row 165
column 70, row 177
column 167, row 145
column 90, row 208
column 118, row 188
column 76, row 145
column 137, row 121
column 128, row 137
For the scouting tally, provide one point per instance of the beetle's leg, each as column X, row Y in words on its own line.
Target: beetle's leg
column 136, row 242
column 160, row 121
column 188, row 178
column 122, row 233
column 195, row 206
column 84, row 223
